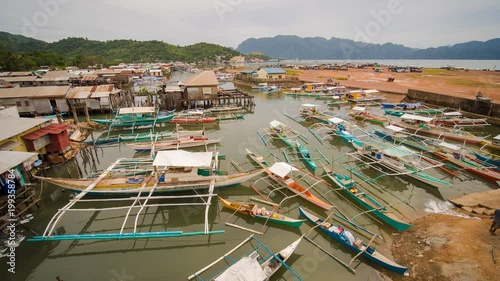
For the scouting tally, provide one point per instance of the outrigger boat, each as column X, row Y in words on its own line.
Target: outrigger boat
column 355, row 245
column 457, row 119
column 399, row 160
column 360, row 113
column 336, row 126
column 143, row 137
column 424, row 111
column 280, row 171
column 337, row 100
column 362, row 96
column 401, row 105
column 229, row 117
column 136, row 116
column 422, row 125
column 259, row 264
column 179, row 143
column 180, row 170
column 255, row 211
column 225, row 108
column 352, row 189
column 290, row 138
column 456, row 156
column 193, row 117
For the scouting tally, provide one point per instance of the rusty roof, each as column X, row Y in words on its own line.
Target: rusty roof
column 34, row 92
column 205, row 78
column 86, row 91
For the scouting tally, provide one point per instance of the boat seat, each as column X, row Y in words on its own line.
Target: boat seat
column 358, row 243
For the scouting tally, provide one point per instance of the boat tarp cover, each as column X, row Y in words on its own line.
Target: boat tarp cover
column 359, row 108
column 136, row 110
column 394, row 128
column 282, row 169
column 309, row 105
column 371, row 91
column 398, row 151
column 453, row 113
column 181, row 158
column 336, row 120
column 416, row 117
column 246, row 269
column 275, row 124
column 449, row 146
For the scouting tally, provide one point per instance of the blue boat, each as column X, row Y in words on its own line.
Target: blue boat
column 357, row 246
column 306, row 156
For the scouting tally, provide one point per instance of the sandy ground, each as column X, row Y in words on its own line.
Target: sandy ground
column 443, row 247
column 457, row 83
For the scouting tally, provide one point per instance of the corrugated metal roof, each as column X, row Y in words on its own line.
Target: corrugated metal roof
column 60, row 73
column 248, row 70
column 34, row 92
column 205, row 78
column 10, row 159
column 52, row 129
column 2, row 74
column 15, row 126
column 20, row 79
column 86, row 92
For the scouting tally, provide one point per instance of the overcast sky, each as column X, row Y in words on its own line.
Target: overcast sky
column 419, row 24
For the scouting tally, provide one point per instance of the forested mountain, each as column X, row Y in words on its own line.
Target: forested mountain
column 20, row 53
column 293, row 47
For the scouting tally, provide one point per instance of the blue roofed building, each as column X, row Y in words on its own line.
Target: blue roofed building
column 271, row 73
column 249, row 73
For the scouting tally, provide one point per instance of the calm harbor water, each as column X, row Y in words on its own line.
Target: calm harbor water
column 177, row 258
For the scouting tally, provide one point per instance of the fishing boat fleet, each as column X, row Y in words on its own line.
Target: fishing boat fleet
column 414, row 147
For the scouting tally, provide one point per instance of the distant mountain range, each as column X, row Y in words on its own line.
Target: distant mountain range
column 83, row 52
column 319, row 48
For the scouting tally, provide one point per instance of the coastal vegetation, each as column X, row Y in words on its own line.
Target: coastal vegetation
column 22, row 53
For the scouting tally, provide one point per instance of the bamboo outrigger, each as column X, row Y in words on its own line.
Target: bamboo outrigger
column 145, row 190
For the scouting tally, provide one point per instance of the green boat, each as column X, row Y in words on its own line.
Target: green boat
column 306, row 156
column 426, row 111
column 136, row 116
column 366, row 201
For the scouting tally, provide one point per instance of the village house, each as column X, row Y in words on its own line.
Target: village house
column 248, row 73
column 271, row 74
column 102, row 97
column 237, row 61
column 201, row 86
column 35, row 100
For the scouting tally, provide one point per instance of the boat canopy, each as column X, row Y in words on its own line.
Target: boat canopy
column 282, row 169
column 275, row 124
column 394, row 128
column 398, row 151
column 417, row 117
column 309, row 105
column 336, row 120
column 497, row 137
column 136, row 110
column 359, row 108
column 452, row 113
column 245, row 269
column 181, row 158
column 449, row 146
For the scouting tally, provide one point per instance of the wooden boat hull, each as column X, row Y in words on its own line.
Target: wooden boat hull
column 117, row 186
column 367, row 202
column 183, row 120
column 247, row 209
column 306, row 156
column 379, row 120
column 486, row 159
column 428, row 112
column 478, row 169
column 300, row 191
column 370, row 253
column 133, row 123
column 174, row 144
column 440, row 134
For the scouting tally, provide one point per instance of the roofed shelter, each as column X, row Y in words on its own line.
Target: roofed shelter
column 35, row 100
column 201, row 86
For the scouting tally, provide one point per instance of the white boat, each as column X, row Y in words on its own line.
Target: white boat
column 254, row 266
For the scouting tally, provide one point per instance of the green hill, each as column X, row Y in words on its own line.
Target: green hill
column 22, row 53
